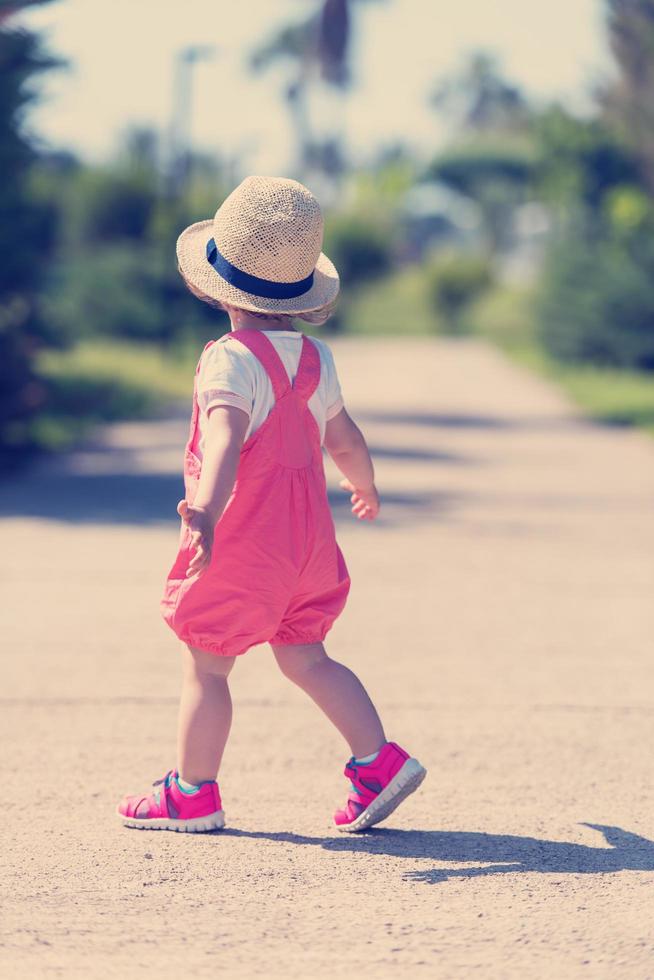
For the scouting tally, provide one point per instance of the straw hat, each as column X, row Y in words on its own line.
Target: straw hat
column 262, row 250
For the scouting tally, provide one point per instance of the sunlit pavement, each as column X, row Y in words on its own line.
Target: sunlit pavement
column 501, row 615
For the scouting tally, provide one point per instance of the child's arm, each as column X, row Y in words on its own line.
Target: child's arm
column 346, row 445
column 226, row 430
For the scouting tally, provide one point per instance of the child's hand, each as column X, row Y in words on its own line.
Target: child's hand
column 365, row 502
column 201, row 526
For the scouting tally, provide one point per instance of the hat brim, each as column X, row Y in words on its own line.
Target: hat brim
column 192, row 258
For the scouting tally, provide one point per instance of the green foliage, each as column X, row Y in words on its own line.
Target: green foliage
column 381, row 188
column 506, row 316
column 627, row 98
column 89, row 252
column 124, row 290
column 468, row 166
column 596, row 301
column 26, row 237
column 117, row 206
column 596, row 298
column 454, row 281
column 114, row 270
column 113, row 291
column 496, row 174
column 359, row 245
column 395, row 304
column 106, row 380
column 579, row 160
column 628, row 209
column 619, row 397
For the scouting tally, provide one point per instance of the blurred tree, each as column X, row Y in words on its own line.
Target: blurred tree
column 478, row 98
column 318, row 48
column 27, row 233
column 382, row 185
column 141, row 151
column 116, row 205
column 579, row 160
column 297, row 44
column 180, row 164
column 334, row 40
column 496, row 174
column 492, row 159
column 116, row 225
column 360, row 246
column 628, row 101
column 454, row 281
column 112, row 290
column 596, row 296
column 596, row 300
column 467, row 166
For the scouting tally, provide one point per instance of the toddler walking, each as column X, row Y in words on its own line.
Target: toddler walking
column 258, row 559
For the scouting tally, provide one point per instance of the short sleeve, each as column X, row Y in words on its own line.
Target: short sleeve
column 225, row 378
column 334, row 399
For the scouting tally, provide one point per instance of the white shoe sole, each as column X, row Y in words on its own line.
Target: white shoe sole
column 405, row 782
column 199, row 825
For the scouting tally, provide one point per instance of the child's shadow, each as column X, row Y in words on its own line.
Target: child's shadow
column 500, row 853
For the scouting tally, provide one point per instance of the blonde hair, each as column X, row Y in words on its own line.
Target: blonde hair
column 315, row 317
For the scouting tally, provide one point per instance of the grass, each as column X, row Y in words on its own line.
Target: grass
column 105, row 381
column 617, row 396
column 109, row 380
column 504, row 316
column 394, row 304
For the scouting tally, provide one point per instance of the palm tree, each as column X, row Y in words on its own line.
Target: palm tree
column 318, row 48
column 628, row 101
column 478, row 97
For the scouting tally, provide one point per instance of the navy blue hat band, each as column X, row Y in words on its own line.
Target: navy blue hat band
column 252, row 284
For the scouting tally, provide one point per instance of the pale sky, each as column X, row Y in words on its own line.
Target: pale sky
column 122, row 54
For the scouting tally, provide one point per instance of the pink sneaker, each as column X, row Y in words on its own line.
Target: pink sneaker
column 170, row 808
column 378, row 788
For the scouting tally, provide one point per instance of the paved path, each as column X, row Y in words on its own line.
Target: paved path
column 501, row 614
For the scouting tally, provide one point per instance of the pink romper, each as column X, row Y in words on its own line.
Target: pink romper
column 276, row 573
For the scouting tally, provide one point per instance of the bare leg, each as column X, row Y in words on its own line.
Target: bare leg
column 205, row 714
column 337, row 691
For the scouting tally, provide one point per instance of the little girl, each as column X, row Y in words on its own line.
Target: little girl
column 258, row 559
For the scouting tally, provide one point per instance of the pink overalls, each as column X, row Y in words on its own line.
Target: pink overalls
column 276, row 572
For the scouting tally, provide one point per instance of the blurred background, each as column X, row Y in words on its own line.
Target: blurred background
column 483, row 171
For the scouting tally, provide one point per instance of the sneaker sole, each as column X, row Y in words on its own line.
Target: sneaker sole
column 406, row 781
column 199, row 825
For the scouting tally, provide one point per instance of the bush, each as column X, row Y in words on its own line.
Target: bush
column 115, row 206
column 468, row 167
column 395, row 305
column 112, row 291
column 106, row 380
column 454, row 281
column 359, row 246
column 123, row 291
column 596, row 301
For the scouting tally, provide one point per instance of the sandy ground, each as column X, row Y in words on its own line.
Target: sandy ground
column 501, row 615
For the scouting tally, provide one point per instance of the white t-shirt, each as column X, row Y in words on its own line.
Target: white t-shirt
column 230, row 374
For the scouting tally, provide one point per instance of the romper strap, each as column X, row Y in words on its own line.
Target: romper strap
column 264, row 351
column 191, row 442
column 195, row 411
column 199, row 364
column 307, row 377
